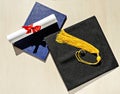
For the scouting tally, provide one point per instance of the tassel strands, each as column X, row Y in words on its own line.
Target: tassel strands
column 63, row 37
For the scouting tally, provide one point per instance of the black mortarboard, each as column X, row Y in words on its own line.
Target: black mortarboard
column 73, row 72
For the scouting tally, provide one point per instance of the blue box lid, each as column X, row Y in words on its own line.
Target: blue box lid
column 35, row 44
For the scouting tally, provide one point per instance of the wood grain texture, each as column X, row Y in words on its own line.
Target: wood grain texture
column 24, row 74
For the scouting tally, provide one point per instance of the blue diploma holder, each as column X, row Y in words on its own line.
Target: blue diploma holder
column 35, row 44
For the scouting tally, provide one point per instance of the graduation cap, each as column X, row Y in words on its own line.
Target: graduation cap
column 34, row 43
column 72, row 69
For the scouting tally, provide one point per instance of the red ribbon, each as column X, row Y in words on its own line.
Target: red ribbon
column 31, row 29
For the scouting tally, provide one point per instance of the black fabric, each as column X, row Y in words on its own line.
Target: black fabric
column 72, row 72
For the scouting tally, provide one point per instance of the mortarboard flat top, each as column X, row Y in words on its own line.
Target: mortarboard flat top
column 73, row 72
column 35, row 44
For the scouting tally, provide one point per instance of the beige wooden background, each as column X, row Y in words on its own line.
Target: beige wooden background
column 24, row 74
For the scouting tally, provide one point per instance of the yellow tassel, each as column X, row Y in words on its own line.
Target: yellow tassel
column 66, row 38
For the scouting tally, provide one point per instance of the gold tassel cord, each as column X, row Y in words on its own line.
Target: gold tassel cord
column 77, row 54
column 63, row 37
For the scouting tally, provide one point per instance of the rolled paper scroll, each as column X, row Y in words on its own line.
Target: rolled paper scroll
column 30, row 29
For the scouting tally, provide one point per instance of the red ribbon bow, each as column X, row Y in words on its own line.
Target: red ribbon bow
column 31, row 29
